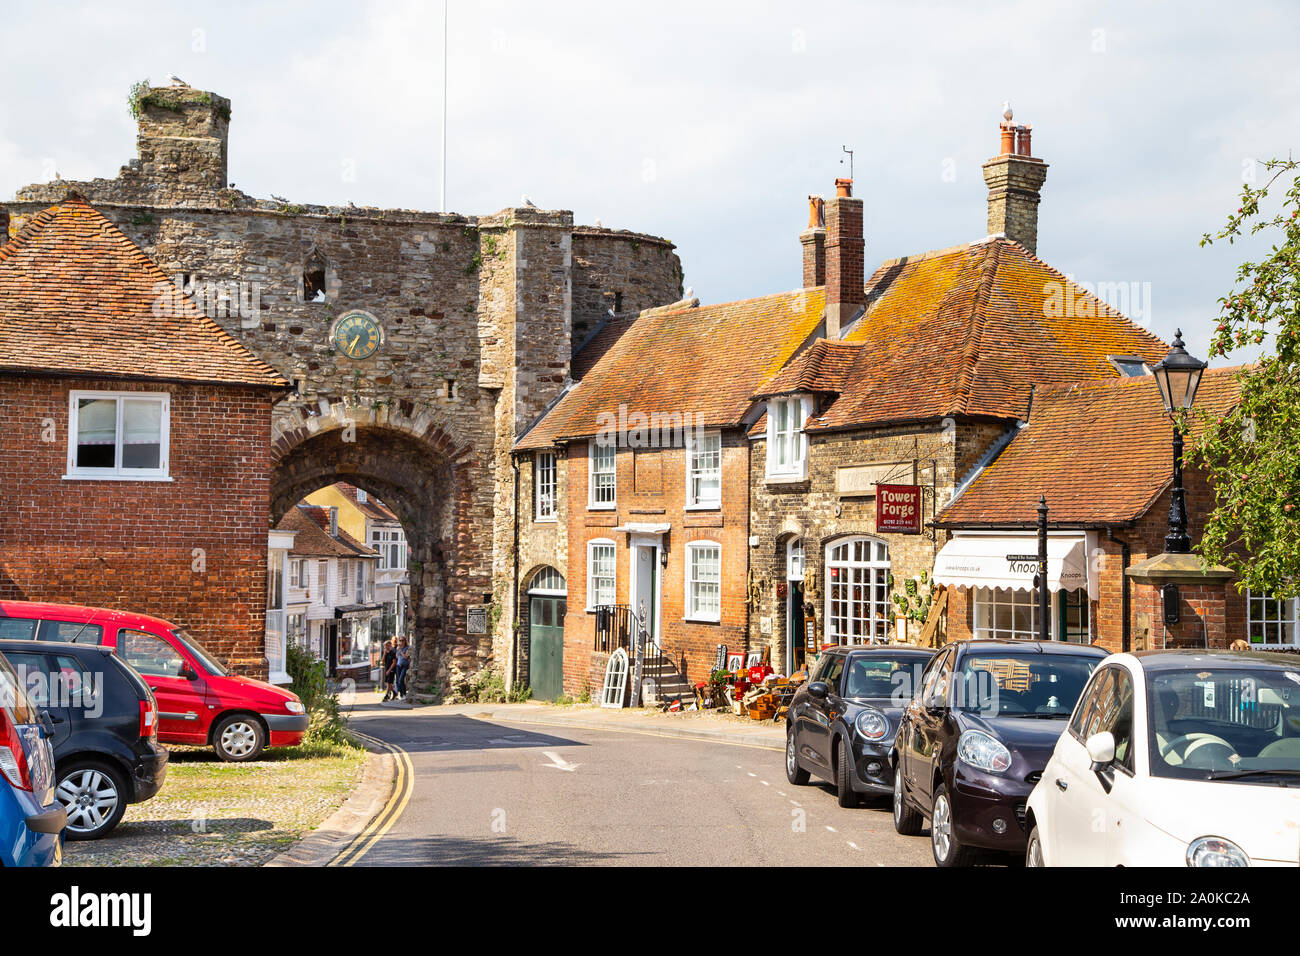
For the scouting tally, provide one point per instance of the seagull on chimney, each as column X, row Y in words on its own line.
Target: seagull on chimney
column 690, row 292
column 598, row 225
column 1006, row 110
column 529, row 202
column 177, row 81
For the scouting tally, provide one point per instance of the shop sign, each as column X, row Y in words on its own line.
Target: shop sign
column 898, row 509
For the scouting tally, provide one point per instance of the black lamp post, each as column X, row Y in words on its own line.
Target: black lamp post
column 1178, row 375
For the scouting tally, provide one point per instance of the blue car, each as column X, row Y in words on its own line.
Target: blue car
column 31, row 818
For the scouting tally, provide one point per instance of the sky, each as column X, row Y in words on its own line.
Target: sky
column 709, row 122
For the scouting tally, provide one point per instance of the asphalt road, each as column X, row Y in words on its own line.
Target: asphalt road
column 489, row 793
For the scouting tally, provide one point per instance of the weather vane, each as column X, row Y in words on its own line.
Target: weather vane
column 850, row 152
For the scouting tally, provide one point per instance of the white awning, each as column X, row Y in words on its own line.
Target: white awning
column 1011, row 561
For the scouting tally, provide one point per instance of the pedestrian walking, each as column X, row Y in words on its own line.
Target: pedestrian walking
column 389, row 669
column 403, row 663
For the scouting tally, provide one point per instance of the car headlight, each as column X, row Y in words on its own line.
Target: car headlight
column 872, row 724
column 1215, row 851
column 983, row 751
column 295, row 707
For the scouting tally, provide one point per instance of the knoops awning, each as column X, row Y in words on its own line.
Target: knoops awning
column 1011, row 561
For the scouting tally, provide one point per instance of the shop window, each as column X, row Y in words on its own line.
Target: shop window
column 1271, row 622
column 1072, row 609
column 1006, row 613
column 857, row 591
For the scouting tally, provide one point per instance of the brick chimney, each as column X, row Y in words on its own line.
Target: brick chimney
column 845, row 259
column 4, row 225
column 814, row 244
column 1014, row 178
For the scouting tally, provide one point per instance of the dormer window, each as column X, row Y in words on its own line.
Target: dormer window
column 1129, row 366
column 787, row 446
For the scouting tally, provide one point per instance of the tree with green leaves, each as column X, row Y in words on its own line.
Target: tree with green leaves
column 1252, row 454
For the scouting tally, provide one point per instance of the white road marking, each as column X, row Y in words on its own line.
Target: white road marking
column 852, row 844
column 831, row 828
column 765, row 783
column 753, row 775
column 558, row 762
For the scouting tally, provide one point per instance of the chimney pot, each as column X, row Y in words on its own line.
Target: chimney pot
column 1022, row 140
column 843, row 188
column 813, row 240
column 1008, row 139
column 816, row 212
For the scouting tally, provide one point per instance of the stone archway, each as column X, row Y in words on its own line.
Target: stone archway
column 424, row 478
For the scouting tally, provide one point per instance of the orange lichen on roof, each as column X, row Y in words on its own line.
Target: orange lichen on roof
column 1100, row 451
column 969, row 331
column 77, row 297
column 823, row 368
column 705, row 362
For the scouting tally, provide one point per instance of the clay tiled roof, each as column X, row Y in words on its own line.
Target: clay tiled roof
column 313, row 540
column 706, row 361
column 77, row 297
column 372, row 507
column 824, row 367
column 1100, row 451
column 969, row 330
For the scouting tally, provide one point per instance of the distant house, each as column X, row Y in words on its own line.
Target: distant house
column 330, row 606
column 369, row 520
column 136, row 452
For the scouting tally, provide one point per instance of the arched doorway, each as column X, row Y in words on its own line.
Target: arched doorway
column 424, row 484
column 546, row 609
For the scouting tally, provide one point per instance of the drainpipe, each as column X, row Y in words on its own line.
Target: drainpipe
column 514, row 592
column 1126, row 553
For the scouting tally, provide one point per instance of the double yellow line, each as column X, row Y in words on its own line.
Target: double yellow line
column 380, row 825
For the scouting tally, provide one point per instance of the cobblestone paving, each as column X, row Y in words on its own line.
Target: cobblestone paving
column 210, row 813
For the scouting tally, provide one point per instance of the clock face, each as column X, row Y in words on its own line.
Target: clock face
column 357, row 335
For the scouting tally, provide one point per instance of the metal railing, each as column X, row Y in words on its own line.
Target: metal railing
column 613, row 628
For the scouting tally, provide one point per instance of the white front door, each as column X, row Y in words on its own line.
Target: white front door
column 646, row 587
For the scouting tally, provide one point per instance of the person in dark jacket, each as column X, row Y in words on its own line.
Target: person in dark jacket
column 390, row 669
column 403, row 663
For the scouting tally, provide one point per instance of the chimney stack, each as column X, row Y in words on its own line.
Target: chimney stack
column 845, row 259
column 814, row 244
column 1014, row 178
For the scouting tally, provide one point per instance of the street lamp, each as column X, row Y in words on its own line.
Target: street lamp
column 1178, row 375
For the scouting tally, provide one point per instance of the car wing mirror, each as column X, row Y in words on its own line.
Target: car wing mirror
column 819, row 689
column 1101, row 750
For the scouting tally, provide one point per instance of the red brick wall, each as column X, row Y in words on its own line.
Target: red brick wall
column 131, row 544
column 1219, row 612
column 652, row 489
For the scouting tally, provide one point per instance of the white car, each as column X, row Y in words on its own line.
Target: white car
column 1175, row 758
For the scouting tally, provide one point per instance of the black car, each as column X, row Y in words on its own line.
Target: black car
column 975, row 739
column 840, row 725
column 105, row 720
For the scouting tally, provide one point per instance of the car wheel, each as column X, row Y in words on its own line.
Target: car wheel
column 793, row 772
column 238, row 738
column 844, row 794
column 1034, row 849
column 906, row 820
column 947, row 851
column 94, row 795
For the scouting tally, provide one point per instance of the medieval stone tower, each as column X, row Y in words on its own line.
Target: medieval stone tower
column 477, row 320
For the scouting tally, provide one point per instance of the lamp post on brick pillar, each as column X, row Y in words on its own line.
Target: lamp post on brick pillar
column 1178, row 375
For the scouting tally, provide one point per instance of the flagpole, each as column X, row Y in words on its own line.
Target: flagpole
column 443, row 203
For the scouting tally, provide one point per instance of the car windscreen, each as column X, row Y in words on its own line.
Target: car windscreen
column 13, row 696
column 1225, row 723
column 200, row 653
column 1023, row 685
column 895, row 678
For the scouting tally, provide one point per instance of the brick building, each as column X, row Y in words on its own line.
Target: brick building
column 927, row 369
column 137, row 449
column 474, row 321
column 1101, row 455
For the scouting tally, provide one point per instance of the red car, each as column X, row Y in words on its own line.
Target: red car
column 199, row 701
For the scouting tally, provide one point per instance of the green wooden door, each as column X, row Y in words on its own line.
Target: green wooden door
column 546, row 647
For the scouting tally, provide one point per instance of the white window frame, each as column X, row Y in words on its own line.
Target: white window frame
column 796, row 468
column 991, row 599
column 545, row 486
column 362, row 596
column 693, row 501
column 693, row 613
column 1286, row 617
column 592, row 589
column 294, row 570
column 344, row 578
column 388, row 541
column 117, row 472
column 548, row 581
column 876, row 572
column 592, row 503
column 796, row 559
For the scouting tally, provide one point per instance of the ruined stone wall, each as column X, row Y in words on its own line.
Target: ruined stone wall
column 624, row 271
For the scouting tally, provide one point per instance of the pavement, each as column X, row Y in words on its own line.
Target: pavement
column 532, row 784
